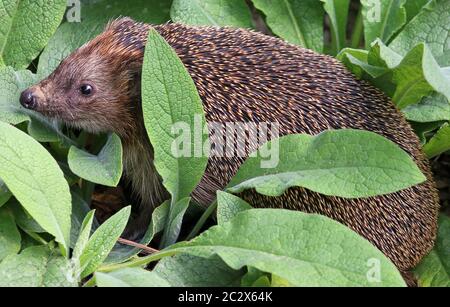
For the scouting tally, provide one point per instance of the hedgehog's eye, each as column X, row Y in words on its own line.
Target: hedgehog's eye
column 86, row 89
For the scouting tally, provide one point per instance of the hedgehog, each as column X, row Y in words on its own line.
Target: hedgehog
column 242, row 76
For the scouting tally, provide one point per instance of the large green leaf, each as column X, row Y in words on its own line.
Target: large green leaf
column 439, row 143
column 435, row 107
column 37, row 266
column 434, row 270
column 430, row 26
column 303, row 249
column 36, row 180
column 170, row 101
column 130, row 277
column 104, row 168
column 94, row 17
column 407, row 79
column 12, row 84
column 9, row 234
column 346, row 163
column 382, row 19
column 190, row 271
column 25, row 28
column 102, row 241
column 297, row 21
column 417, row 76
column 212, row 13
column 337, row 10
column 413, row 7
column 228, row 206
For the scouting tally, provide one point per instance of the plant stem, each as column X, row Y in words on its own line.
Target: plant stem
column 202, row 221
column 139, row 262
column 358, row 30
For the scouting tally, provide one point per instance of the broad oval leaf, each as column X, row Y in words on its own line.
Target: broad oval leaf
column 9, row 234
column 170, row 98
column 171, row 104
column 347, row 163
column 37, row 266
column 429, row 26
column 304, row 249
column 12, row 84
column 102, row 241
column 382, row 19
column 185, row 270
column 432, row 108
column 25, row 28
column 299, row 22
column 439, row 143
column 212, row 13
column 104, row 168
column 228, row 206
column 36, row 180
column 130, row 277
column 434, row 270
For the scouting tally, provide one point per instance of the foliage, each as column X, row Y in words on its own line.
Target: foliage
column 48, row 235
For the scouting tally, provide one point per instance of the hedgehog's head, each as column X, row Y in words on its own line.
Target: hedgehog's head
column 97, row 87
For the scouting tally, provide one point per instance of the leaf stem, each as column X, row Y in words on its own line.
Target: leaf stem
column 358, row 30
column 139, row 262
column 202, row 221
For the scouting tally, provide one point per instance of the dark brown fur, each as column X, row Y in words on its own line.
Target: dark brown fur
column 243, row 76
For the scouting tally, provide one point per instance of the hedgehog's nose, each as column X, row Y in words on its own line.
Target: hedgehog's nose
column 28, row 99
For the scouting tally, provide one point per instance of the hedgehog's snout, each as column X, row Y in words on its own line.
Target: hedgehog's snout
column 31, row 98
column 28, row 99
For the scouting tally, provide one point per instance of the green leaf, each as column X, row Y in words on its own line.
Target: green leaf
column 12, row 84
column 9, row 234
column 254, row 276
column 80, row 211
column 36, row 266
column 5, row 194
column 417, row 76
column 190, row 271
column 174, row 222
column 228, row 206
column 26, row 27
column 439, row 143
column 94, row 17
column 382, row 19
column 104, row 168
column 170, row 97
column 337, row 10
column 170, row 100
column 212, row 13
column 85, row 233
column 413, row 7
column 304, row 249
column 102, row 241
column 412, row 77
column 430, row 26
column 346, row 163
column 23, row 219
column 423, row 129
column 36, row 180
column 297, row 21
column 434, row 270
column 435, row 107
column 130, row 277
column 122, row 253
column 356, row 60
